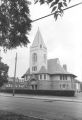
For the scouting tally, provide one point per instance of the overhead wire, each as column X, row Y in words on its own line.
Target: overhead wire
column 54, row 12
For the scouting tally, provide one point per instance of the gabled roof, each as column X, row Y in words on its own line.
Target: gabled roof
column 54, row 67
column 43, row 70
column 38, row 40
column 27, row 73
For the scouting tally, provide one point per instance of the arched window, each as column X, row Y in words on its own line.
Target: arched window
column 40, row 46
column 45, row 58
column 34, row 58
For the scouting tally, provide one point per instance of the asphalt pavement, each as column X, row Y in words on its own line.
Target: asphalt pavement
column 47, row 107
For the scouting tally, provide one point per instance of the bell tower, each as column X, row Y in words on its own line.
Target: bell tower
column 38, row 54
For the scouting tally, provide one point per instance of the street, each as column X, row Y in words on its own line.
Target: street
column 43, row 108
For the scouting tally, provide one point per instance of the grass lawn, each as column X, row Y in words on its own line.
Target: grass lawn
column 4, row 115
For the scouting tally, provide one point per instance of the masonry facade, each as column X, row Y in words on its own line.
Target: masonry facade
column 46, row 74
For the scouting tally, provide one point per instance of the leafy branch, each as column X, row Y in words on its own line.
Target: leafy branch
column 15, row 23
column 58, row 11
column 56, row 6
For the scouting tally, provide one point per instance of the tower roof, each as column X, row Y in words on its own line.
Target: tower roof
column 38, row 40
column 43, row 70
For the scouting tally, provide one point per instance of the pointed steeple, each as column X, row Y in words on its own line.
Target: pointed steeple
column 38, row 40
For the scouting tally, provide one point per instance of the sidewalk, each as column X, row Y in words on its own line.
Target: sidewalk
column 48, row 98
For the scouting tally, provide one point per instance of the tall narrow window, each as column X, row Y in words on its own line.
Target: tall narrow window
column 45, row 58
column 40, row 76
column 34, row 58
column 40, row 46
column 44, row 76
column 34, row 68
column 35, row 87
column 66, row 77
column 60, row 77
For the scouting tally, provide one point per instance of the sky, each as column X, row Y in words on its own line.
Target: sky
column 63, row 39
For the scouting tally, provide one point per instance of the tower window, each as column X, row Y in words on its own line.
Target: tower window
column 34, row 58
column 34, row 68
column 40, row 46
column 45, row 58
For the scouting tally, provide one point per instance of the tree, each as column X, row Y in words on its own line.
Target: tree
column 56, row 5
column 15, row 23
column 3, row 73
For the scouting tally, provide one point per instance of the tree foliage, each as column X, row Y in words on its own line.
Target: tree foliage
column 15, row 23
column 3, row 73
column 56, row 6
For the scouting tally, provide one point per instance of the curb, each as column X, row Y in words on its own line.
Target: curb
column 45, row 98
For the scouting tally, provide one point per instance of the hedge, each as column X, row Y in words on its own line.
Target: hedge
column 41, row 92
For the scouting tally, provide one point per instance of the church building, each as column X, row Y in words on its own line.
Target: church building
column 46, row 74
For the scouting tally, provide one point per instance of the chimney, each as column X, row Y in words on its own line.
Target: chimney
column 65, row 67
column 57, row 59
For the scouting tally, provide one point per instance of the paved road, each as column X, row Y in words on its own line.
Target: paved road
column 44, row 108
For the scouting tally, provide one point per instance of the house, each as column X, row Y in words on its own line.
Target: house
column 46, row 74
column 14, row 82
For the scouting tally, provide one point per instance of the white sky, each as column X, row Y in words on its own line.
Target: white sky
column 63, row 39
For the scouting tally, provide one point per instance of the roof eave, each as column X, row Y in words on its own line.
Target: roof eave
column 62, row 74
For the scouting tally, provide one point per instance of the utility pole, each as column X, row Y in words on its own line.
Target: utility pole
column 0, row 55
column 14, row 75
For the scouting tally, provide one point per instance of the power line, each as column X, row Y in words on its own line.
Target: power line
column 54, row 12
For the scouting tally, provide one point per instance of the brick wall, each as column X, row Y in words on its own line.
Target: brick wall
column 55, row 85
